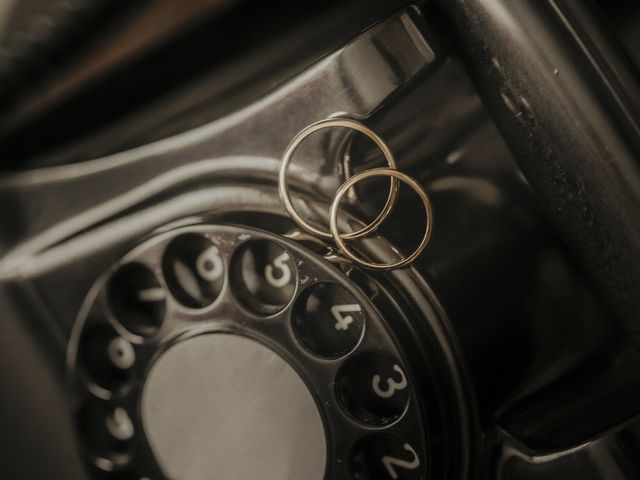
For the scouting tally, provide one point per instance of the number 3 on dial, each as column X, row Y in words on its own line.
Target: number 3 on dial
column 392, row 385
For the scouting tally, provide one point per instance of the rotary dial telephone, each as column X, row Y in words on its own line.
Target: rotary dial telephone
column 238, row 298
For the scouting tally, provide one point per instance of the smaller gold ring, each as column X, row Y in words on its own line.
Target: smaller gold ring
column 295, row 143
column 380, row 172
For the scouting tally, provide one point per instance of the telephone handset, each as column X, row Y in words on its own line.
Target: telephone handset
column 221, row 317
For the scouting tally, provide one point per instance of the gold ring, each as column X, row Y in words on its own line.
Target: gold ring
column 295, row 143
column 380, row 172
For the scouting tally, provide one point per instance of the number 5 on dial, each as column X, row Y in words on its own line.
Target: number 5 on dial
column 284, row 275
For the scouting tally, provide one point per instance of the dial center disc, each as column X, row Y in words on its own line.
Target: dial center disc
column 225, row 406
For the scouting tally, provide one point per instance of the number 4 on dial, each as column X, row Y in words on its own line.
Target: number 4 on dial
column 343, row 321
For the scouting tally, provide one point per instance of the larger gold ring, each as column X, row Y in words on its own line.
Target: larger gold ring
column 379, row 172
column 295, row 143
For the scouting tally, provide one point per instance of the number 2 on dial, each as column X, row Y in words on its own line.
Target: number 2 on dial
column 392, row 385
column 391, row 463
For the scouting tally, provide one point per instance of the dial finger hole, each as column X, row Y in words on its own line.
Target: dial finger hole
column 107, row 431
column 125, row 476
column 137, row 299
column 384, row 456
column 373, row 387
column 328, row 320
column 263, row 276
column 105, row 358
column 194, row 270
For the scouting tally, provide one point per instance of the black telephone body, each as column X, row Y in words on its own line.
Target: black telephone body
column 165, row 318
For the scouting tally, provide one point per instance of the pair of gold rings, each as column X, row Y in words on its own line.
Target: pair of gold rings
column 340, row 239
